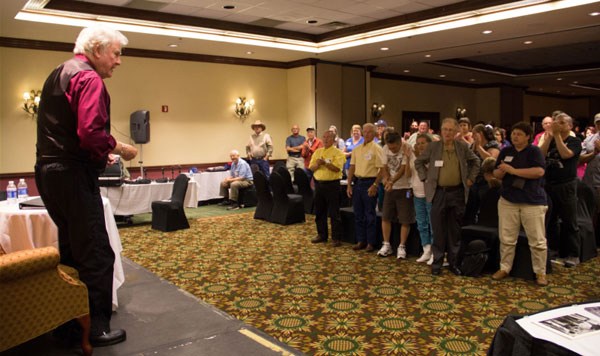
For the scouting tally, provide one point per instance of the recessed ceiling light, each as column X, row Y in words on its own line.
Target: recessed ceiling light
column 427, row 55
column 472, row 79
column 541, row 89
column 442, row 75
column 312, row 21
column 528, row 42
column 595, row 13
column 558, row 78
column 487, row 32
column 406, row 71
column 249, row 52
column 173, row 45
column 575, row 82
column 558, row 91
column 229, row 7
column 384, row 48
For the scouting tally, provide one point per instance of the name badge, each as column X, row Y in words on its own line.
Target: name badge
column 368, row 157
column 508, row 159
column 439, row 163
column 327, row 160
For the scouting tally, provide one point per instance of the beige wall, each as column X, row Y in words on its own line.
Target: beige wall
column 200, row 126
column 535, row 105
column 488, row 106
column 301, row 98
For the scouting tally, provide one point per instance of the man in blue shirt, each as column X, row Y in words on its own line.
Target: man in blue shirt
column 293, row 146
column 240, row 178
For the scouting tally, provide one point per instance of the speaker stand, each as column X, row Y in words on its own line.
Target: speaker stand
column 141, row 162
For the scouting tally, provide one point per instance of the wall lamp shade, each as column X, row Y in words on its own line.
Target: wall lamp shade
column 377, row 110
column 32, row 101
column 460, row 113
column 243, row 107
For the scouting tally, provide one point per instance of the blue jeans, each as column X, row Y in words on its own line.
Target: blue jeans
column 364, row 212
column 263, row 165
column 423, row 211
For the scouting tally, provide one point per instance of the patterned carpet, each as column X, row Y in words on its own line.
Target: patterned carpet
column 334, row 301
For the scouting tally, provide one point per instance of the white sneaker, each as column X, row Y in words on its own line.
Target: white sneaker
column 385, row 250
column 430, row 262
column 401, row 252
column 426, row 254
column 571, row 261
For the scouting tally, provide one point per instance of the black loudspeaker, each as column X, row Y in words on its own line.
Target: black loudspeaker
column 140, row 126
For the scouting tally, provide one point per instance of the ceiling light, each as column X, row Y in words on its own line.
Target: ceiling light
column 472, row 79
column 428, row 56
column 442, row 75
column 384, row 48
column 406, row 71
column 595, row 13
column 173, row 45
column 487, row 32
column 249, row 52
column 528, row 42
column 312, row 21
column 575, row 82
column 558, row 78
column 229, row 7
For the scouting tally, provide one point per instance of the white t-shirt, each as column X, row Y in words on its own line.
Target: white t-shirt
column 418, row 187
column 394, row 162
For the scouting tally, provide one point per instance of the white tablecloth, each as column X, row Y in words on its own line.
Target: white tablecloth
column 208, row 184
column 32, row 228
column 130, row 199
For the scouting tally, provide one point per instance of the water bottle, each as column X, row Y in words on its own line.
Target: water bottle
column 11, row 192
column 191, row 175
column 22, row 189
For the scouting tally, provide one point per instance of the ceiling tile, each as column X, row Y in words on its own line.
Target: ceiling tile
column 438, row 3
column 410, row 7
column 109, row 2
column 180, row 9
column 338, row 5
column 242, row 18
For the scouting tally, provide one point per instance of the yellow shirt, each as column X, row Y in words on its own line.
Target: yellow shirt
column 449, row 174
column 366, row 160
column 331, row 155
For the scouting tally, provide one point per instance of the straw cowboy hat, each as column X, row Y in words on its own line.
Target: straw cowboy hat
column 258, row 123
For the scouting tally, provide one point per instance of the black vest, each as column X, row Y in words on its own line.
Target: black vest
column 57, row 138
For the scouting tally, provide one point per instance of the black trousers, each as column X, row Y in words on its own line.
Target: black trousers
column 71, row 194
column 327, row 203
column 564, row 206
column 447, row 210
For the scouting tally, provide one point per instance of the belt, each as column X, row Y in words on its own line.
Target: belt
column 451, row 188
column 360, row 179
column 328, row 181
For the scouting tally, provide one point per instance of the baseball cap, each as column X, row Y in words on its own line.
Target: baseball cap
column 597, row 118
column 310, row 128
column 380, row 123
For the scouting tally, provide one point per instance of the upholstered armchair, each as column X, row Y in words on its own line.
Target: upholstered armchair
column 37, row 295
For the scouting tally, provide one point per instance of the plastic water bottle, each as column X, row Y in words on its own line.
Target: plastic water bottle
column 22, row 189
column 191, row 175
column 11, row 192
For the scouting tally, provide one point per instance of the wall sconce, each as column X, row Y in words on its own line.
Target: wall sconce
column 460, row 113
column 32, row 102
column 377, row 110
column 243, row 107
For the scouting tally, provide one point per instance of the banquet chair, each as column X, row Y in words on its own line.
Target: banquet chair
column 37, row 294
column 304, row 189
column 264, row 205
column 168, row 215
column 287, row 208
column 287, row 180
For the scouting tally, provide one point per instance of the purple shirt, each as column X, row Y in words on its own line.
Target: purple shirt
column 90, row 101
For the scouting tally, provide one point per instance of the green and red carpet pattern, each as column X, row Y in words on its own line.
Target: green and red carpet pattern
column 335, row 301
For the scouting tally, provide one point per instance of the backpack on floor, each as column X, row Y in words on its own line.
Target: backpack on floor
column 476, row 255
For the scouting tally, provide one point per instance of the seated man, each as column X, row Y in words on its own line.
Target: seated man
column 240, row 178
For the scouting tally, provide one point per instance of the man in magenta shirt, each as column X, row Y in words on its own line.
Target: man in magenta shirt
column 73, row 146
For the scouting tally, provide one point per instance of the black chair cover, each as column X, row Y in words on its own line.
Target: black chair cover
column 265, row 198
column 169, row 215
column 585, row 213
column 304, row 189
column 287, row 180
column 287, row 208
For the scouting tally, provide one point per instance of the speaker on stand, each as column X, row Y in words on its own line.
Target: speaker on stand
column 139, row 124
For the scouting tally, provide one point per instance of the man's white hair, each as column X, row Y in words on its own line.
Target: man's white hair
column 97, row 34
column 234, row 152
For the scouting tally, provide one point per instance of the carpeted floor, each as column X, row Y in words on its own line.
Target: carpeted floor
column 335, row 301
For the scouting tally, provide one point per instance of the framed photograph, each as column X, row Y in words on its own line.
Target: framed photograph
column 571, row 325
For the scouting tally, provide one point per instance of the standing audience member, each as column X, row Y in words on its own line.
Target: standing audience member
column 591, row 156
column 337, row 141
column 398, row 201
column 423, row 129
column 240, row 177
column 562, row 154
column 422, row 206
column 73, row 146
column 484, row 142
column 381, row 126
column 364, row 166
column 309, row 147
column 464, row 132
column 522, row 202
column 500, row 136
column 414, row 127
column 327, row 163
column 448, row 168
column 260, row 148
column 293, row 145
column 547, row 127
column 351, row 143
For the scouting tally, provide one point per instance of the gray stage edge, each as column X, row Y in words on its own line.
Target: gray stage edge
column 162, row 319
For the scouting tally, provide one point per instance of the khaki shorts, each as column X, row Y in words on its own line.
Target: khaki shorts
column 399, row 203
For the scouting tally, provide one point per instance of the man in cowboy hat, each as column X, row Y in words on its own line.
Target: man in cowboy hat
column 260, row 147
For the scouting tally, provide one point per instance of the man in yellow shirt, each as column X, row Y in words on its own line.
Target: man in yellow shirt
column 364, row 168
column 327, row 163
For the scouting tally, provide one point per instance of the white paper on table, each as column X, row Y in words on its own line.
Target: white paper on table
column 584, row 345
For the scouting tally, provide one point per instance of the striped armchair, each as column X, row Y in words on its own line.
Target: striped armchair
column 37, row 295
